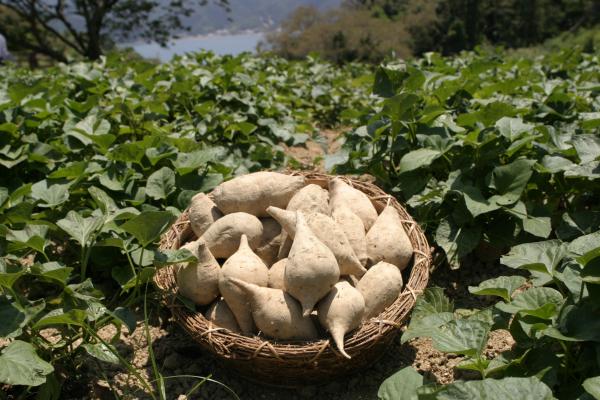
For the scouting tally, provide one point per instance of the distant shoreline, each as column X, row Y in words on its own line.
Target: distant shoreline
column 218, row 42
column 214, row 34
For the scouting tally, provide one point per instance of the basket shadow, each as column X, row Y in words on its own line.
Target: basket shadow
column 178, row 354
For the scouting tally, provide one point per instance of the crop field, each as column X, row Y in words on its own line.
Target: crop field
column 496, row 156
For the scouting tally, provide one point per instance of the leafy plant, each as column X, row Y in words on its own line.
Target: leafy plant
column 554, row 322
column 98, row 160
column 487, row 152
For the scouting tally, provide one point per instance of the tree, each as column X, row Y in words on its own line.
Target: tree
column 339, row 35
column 58, row 28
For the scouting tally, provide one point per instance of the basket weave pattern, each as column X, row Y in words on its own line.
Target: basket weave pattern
column 288, row 363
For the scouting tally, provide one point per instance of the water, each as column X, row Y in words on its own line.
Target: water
column 220, row 44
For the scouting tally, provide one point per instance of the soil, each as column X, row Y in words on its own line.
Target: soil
column 311, row 154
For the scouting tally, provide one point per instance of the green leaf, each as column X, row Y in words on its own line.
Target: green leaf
column 9, row 274
column 540, row 302
column 457, row 241
column 32, row 236
column 161, row 184
column 512, row 128
column 59, row 317
column 418, row 158
column 126, row 316
column 475, row 202
column 20, row 365
column 585, row 244
column 592, row 386
column 103, row 200
column 49, row 196
column 401, row 386
column 576, row 224
column 189, row 162
column 102, row 352
column 169, row 257
column 587, row 147
column 425, row 326
column 510, row 180
column 579, row 322
column 460, row 336
column 432, row 301
column 13, row 319
column 555, row 164
column 540, row 258
column 538, row 226
column 340, row 157
column 503, row 286
column 127, row 152
column 81, row 229
column 148, row 226
column 53, row 270
column 502, row 389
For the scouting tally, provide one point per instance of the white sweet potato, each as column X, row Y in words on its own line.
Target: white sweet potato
column 354, row 229
column 253, row 193
column 248, row 267
column 387, row 240
column 276, row 274
column 199, row 281
column 311, row 198
column 311, row 269
column 270, row 241
column 223, row 236
column 328, row 232
column 340, row 312
column 203, row 212
column 276, row 313
column 220, row 314
column 380, row 287
column 342, row 194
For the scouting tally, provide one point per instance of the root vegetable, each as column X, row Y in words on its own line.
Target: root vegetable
column 309, row 199
column 311, row 269
column 340, row 312
column 342, row 194
column 220, row 314
column 248, row 267
column 203, row 212
column 199, row 281
column 380, row 287
column 285, row 246
column 276, row 313
column 223, row 237
column 328, row 232
column 276, row 274
column 253, row 193
column 270, row 241
column 354, row 229
column 387, row 240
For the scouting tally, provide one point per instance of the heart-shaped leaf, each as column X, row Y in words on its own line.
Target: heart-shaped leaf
column 81, row 229
column 401, row 386
column 20, row 365
column 503, row 286
column 148, row 226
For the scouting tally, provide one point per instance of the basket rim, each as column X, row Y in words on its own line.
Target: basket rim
column 236, row 346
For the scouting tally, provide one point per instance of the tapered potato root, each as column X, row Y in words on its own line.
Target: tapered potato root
column 248, row 267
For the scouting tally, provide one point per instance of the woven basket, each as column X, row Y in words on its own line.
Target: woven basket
column 293, row 364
